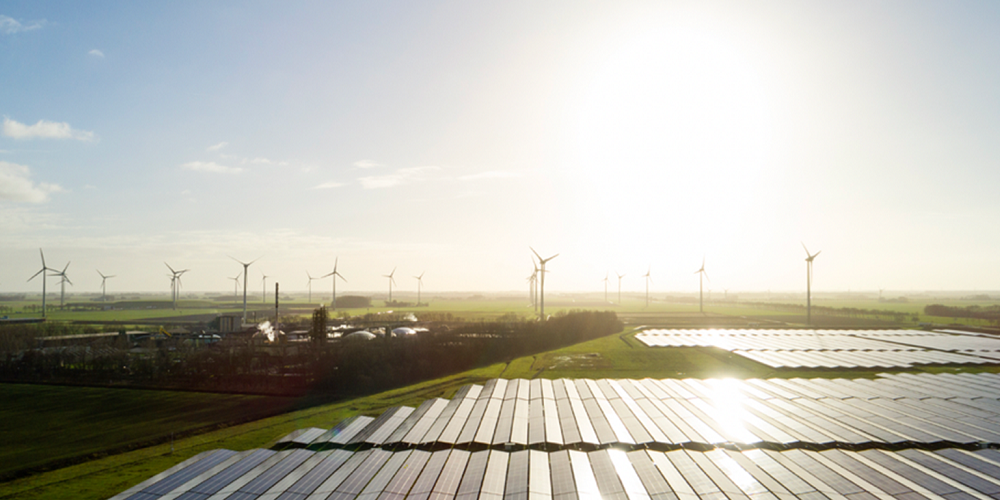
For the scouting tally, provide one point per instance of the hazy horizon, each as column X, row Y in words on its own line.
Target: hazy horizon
column 447, row 137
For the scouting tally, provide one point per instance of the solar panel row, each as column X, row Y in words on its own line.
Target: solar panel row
column 719, row 474
column 837, row 348
column 553, row 414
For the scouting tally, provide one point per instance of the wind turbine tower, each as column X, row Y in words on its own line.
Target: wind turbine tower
column 263, row 283
column 649, row 279
column 175, row 283
column 246, row 265
column 391, row 282
column 62, row 284
column 236, row 288
column 620, row 276
column 310, row 284
column 420, row 284
column 44, row 280
column 701, row 274
column 534, row 279
column 606, row 287
column 542, row 262
column 104, row 296
column 334, row 275
column 809, row 274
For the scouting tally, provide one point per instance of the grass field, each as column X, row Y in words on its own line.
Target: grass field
column 47, row 425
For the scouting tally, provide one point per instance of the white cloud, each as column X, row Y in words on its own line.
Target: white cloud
column 328, row 185
column 210, row 166
column 367, row 164
column 44, row 129
column 96, row 53
column 265, row 161
column 216, row 147
column 490, row 174
column 16, row 185
column 9, row 25
column 402, row 176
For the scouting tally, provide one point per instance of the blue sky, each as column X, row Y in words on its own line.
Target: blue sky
column 446, row 137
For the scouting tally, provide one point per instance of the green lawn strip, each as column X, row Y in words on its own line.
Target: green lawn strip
column 105, row 477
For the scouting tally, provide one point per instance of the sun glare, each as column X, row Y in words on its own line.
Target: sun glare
column 676, row 118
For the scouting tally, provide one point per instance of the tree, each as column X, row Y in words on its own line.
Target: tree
column 318, row 331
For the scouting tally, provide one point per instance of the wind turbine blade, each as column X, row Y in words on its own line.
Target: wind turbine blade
column 43, row 257
column 36, row 274
column 804, row 247
column 534, row 252
column 112, row 276
column 341, row 277
column 706, row 275
column 168, row 267
column 817, row 253
column 309, row 275
column 550, row 258
column 335, row 261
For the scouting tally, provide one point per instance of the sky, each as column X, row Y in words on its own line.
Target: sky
column 447, row 137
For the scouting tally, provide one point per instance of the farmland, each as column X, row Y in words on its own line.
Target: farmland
column 50, row 425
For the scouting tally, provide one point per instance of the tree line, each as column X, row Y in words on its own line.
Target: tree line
column 983, row 314
column 241, row 364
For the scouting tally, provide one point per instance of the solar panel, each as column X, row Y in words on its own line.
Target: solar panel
column 516, row 485
column 472, row 480
column 407, row 426
column 298, row 473
column 276, row 473
column 603, row 474
column 331, row 482
column 583, row 476
column 135, row 490
column 407, row 474
column 225, row 477
column 539, row 475
column 424, row 483
column 451, row 474
column 495, row 476
column 381, row 480
column 561, row 471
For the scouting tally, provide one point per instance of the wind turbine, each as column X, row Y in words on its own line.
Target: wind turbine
column 620, row 276
column 391, row 282
column 542, row 262
column 701, row 274
column 649, row 279
column 44, row 280
column 531, row 288
column 606, row 287
column 263, row 292
column 311, row 286
column 420, row 284
column 880, row 290
column 236, row 288
column 104, row 297
column 335, row 275
column 534, row 298
column 62, row 284
column 246, row 265
column 175, row 282
column 809, row 274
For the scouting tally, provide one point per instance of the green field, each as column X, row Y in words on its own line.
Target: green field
column 50, row 425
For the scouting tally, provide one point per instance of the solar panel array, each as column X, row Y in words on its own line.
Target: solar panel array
column 673, row 439
column 719, row 474
column 837, row 348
